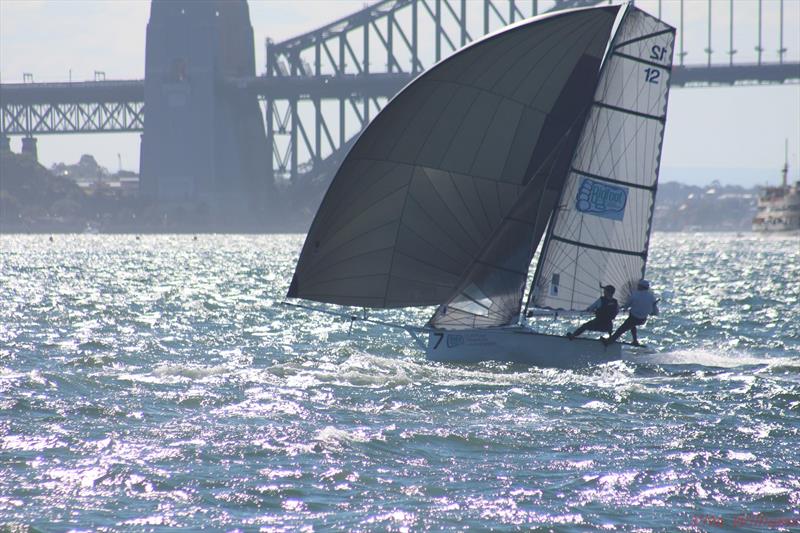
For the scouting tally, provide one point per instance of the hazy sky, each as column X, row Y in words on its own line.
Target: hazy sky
column 733, row 134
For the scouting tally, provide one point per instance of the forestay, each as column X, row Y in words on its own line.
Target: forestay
column 601, row 228
column 432, row 179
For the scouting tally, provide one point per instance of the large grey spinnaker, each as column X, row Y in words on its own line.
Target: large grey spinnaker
column 429, row 182
column 491, row 290
column 601, row 228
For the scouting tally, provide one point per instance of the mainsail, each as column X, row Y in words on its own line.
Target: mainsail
column 601, row 229
column 430, row 186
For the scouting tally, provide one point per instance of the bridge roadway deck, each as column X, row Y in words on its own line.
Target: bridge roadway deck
column 84, row 92
column 372, row 85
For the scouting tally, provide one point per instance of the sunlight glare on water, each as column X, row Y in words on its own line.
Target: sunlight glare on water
column 157, row 382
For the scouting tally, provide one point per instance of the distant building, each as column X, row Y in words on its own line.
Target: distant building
column 128, row 182
column 715, row 207
column 87, row 170
column 92, row 178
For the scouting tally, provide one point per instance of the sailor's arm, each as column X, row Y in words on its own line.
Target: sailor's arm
column 655, row 306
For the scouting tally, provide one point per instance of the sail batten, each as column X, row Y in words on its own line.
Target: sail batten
column 582, row 244
column 612, row 180
column 667, row 31
column 642, row 61
column 631, row 112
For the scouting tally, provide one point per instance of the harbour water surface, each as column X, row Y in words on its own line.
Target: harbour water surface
column 156, row 382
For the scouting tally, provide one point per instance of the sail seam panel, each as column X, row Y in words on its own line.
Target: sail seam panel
column 350, row 258
column 560, row 25
column 427, row 264
column 479, row 145
column 367, row 276
column 498, row 267
column 343, row 278
column 362, row 191
column 576, row 27
column 431, row 221
column 443, row 183
column 561, row 262
column 339, row 296
column 334, row 231
column 467, row 206
column 455, row 131
column 352, row 220
column 312, row 268
column 626, row 145
column 557, row 64
column 426, row 241
column 489, row 222
column 417, row 165
column 488, row 92
column 625, row 238
column 612, row 141
column 590, row 293
column 452, row 213
column 521, row 221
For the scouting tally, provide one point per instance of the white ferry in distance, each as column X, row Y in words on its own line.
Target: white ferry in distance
column 779, row 207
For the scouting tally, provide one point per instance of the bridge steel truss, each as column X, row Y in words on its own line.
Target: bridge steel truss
column 358, row 63
column 321, row 88
column 343, row 73
column 82, row 107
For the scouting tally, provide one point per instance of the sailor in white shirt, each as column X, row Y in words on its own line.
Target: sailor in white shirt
column 642, row 304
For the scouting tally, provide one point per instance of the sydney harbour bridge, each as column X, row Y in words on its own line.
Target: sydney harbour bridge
column 213, row 130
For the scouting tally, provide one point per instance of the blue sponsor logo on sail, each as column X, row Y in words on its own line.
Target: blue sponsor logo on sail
column 601, row 199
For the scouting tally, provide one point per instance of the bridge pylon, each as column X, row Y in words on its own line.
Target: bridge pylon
column 203, row 145
column 29, row 148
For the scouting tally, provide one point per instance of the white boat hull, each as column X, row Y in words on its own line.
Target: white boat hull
column 518, row 345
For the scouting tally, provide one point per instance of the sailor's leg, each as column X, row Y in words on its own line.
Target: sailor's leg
column 578, row 331
column 622, row 329
column 633, row 333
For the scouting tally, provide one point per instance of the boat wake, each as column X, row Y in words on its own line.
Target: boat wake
column 700, row 357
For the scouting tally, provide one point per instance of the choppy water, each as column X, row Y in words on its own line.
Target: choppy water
column 157, row 383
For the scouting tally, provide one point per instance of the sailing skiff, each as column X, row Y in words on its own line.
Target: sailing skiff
column 547, row 132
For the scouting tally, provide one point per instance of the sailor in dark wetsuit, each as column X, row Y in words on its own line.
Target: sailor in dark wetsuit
column 605, row 309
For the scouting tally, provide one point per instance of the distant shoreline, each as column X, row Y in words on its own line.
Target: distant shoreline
column 35, row 201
